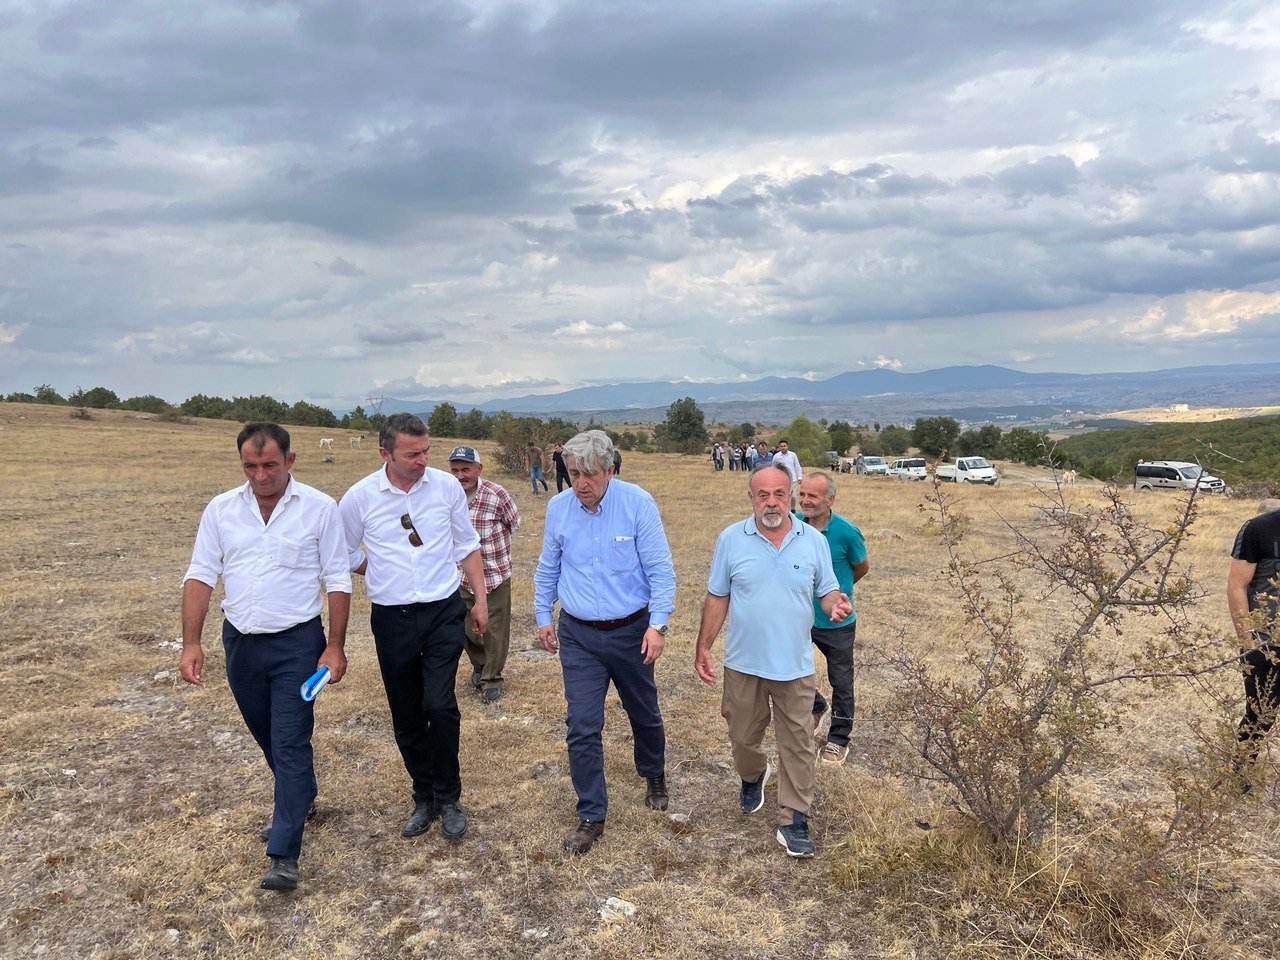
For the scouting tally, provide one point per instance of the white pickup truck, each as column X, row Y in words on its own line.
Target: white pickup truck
column 967, row 470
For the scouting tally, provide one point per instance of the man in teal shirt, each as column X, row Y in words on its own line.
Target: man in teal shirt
column 835, row 640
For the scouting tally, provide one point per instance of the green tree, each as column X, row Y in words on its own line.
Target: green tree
column 309, row 415
column 258, row 408
column 1025, row 446
column 685, row 428
column 984, row 442
column 869, row 444
column 147, row 403
column 840, row 436
column 19, row 396
column 807, row 439
column 357, row 419
column 933, row 435
column 443, row 421
column 894, row 440
column 473, row 425
column 200, row 405
column 46, row 394
column 99, row 397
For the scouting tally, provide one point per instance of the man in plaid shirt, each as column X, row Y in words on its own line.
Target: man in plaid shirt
column 494, row 515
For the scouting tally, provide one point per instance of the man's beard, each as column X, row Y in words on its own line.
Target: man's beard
column 773, row 520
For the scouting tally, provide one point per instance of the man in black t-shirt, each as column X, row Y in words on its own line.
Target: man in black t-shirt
column 1253, row 596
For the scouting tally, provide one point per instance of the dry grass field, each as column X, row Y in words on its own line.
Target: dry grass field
column 130, row 802
column 1194, row 415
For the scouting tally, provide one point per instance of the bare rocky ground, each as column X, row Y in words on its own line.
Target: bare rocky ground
column 130, row 802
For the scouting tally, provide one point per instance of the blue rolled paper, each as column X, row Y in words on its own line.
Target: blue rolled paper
column 315, row 683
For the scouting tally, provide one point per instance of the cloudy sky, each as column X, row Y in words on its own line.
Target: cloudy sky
column 478, row 199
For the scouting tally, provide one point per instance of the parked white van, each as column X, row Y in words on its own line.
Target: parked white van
column 1174, row 475
column 909, row 468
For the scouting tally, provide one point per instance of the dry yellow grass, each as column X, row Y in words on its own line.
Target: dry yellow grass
column 130, row 802
column 1194, row 415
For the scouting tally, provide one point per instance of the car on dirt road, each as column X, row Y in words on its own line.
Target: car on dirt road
column 1174, row 475
column 967, row 470
column 909, row 468
column 866, row 466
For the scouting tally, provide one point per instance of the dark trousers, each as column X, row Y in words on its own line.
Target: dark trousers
column 837, row 646
column 590, row 659
column 419, row 645
column 265, row 672
column 562, row 480
column 1261, row 695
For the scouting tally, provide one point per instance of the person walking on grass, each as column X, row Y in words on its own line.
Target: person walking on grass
column 765, row 573
column 408, row 531
column 605, row 558
column 1253, row 598
column 835, row 640
column 276, row 543
column 495, row 517
column 562, row 473
column 533, row 461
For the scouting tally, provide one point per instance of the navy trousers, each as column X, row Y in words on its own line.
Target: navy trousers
column 266, row 672
column 590, row 659
column 836, row 644
column 419, row 645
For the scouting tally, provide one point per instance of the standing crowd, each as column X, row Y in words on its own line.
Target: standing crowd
column 434, row 549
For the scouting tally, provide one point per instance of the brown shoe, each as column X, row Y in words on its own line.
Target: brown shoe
column 655, row 798
column 583, row 837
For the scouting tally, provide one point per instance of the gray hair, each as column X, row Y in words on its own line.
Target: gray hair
column 592, row 451
column 762, row 467
column 831, row 484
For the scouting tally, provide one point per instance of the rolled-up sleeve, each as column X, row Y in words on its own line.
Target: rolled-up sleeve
column 546, row 579
column 335, row 567
column 655, row 560
column 465, row 539
column 206, row 556
column 351, row 511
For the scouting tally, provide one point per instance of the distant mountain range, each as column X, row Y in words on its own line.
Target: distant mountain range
column 978, row 393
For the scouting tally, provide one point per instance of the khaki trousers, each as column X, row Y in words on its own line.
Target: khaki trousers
column 745, row 705
column 488, row 653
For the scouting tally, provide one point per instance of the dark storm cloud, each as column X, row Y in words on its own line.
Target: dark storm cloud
column 400, row 332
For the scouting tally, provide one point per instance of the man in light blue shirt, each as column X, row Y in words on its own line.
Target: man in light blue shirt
column 605, row 558
column 765, row 573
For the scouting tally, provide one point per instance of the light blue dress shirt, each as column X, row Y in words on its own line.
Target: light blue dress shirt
column 608, row 564
column 770, row 591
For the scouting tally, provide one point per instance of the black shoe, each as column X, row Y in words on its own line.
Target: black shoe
column 491, row 695
column 795, row 837
column 584, row 836
column 453, row 820
column 283, row 874
column 419, row 821
column 655, row 798
column 475, row 677
column 753, row 792
column 819, row 705
column 265, row 833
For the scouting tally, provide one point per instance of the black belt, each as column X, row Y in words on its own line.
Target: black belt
column 608, row 624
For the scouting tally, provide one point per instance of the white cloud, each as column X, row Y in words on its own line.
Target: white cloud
column 1205, row 313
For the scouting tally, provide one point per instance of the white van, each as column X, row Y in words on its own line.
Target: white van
column 1174, row 475
column 909, row 468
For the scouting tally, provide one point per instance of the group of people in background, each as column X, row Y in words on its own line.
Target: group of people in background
column 435, row 551
column 748, row 456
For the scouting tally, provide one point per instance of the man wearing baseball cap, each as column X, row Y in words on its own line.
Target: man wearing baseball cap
column 495, row 517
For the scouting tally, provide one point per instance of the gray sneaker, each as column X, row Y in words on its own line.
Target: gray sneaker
column 753, row 792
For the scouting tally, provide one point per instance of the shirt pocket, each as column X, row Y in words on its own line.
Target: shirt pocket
column 798, row 577
column 623, row 557
column 298, row 554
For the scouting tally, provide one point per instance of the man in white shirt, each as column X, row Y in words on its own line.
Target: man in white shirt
column 786, row 459
column 273, row 541
column 415, row 529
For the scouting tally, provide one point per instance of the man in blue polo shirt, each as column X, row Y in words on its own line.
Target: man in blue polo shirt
column 765, row 574
column 835, row 640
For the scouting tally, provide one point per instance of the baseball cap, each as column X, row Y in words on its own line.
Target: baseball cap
column 469, row 454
